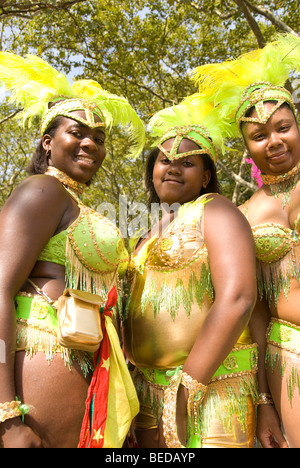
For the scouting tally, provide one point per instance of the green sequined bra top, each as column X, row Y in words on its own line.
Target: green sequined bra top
column 91, row 249
column 278, row 253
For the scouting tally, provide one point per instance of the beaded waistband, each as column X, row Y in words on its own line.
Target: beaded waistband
column 34, row 311
column 240, row 361
column 37, row 331
column 284, row 335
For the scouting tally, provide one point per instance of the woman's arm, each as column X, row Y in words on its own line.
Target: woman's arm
column 27, row 221
column 231, row 254
column 268, row 423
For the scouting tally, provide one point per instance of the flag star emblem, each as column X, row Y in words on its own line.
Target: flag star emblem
column 105, row 364
column 97, row 435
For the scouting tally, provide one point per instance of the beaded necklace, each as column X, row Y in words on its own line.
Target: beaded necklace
column 76, row 187
column 283, row 183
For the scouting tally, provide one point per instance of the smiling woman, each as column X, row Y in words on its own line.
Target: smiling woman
column 49, row 242
column 76, row 149
column 273, row 213
column 185, row 324
column 180, row 180
column 250, row 93
column 274, row 146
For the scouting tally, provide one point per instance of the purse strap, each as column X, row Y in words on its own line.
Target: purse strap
column 40, row 291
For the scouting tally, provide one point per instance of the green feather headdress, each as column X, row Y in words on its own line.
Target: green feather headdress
column 34, row 84
column 195, row 119
column 250, row 80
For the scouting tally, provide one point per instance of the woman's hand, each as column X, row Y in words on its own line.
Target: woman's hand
column 269, row 429
column 15, row 434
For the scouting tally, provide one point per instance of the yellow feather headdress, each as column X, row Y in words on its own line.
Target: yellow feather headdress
column 251, row 79
column 196, row 119
column 34, row 84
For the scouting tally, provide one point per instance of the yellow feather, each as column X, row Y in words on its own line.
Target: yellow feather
column 33, row 83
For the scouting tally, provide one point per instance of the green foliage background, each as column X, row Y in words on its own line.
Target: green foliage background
column 143, row 50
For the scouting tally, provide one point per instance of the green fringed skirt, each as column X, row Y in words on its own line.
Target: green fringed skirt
column 283, row 353
column 227, row 416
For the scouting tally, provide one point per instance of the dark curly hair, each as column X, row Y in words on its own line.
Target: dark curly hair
column 212, row 187
column 39, row 163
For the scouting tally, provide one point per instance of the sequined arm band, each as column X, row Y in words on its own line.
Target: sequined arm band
column 264, row 399
column 10, row 410
column 196, row 392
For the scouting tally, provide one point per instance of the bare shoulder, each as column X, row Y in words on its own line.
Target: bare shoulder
column 217, row 202
column 222, row 212
column 39, row 201
column 38, row 191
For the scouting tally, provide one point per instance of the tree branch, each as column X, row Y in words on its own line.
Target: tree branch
column 141, row 86
column 238, row 179
column 271, row 17
column 10, row 183
column 10, row 116
column 199, row 9
column 28, row 10
column 252, row 22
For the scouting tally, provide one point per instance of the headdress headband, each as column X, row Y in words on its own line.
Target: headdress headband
column 67, row 107
column 255, row 96
column 194, row 119
column 251, row 80
column 195, row 133
column 34, row 84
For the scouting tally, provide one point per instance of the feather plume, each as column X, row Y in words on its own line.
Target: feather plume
column 226, row 81
column 117, row 111
column 33, row 83
column 195, row 110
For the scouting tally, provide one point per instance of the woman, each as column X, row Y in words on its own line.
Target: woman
column 265, row 116
column 50, row 240
column 275, row 149
column 185, row 326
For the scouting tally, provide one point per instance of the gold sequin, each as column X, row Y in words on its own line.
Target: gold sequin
column 166, row 244
column 285, row 334
column 39, row 308
column 231, row 363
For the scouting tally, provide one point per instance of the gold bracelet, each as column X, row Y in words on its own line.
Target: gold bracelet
column 264, row 399
column 196, row 394
column 169, row 412
column 10, row 410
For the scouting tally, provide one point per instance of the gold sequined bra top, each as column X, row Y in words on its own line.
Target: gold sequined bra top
column 178, row 256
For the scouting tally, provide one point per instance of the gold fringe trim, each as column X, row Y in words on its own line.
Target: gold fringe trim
column 228, row 398
column 80, row 277
column 225, row 398
column 171, row 289
column 279, row 357
column 32, row 339
column 275, row 277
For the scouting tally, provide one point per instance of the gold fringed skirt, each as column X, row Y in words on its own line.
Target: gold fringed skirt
column 227, row 418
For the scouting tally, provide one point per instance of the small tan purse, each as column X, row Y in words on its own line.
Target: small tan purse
column 79, row 321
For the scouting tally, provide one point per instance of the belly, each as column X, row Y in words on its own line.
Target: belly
column 159, row 341
column 288, row 307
